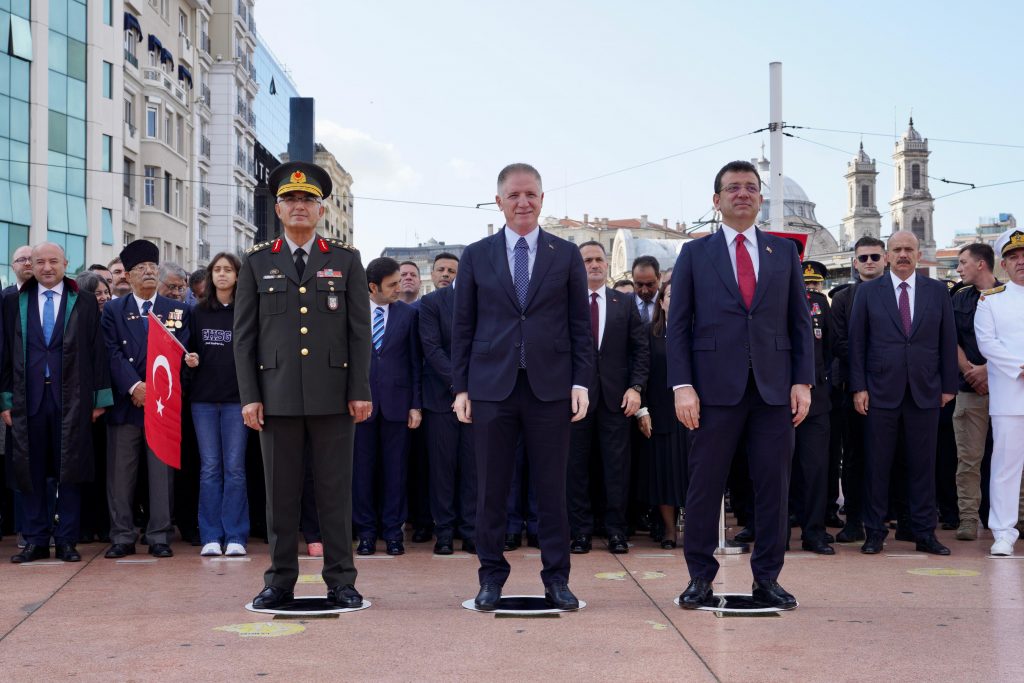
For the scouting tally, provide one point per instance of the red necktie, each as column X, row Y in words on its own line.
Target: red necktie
column 595, row 320
column 745, row 271
column 905, row 308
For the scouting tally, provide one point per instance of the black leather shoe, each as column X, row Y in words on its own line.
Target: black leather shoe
column 67, row 553
column 443, row 546
column 559, row 596
column 746, row 535
column 161, row 550
column 421, row 535
column 580, row 544
column 488, row 597
column 617, row 545
column 850, row 534
column 698, row 593
column 119, row 550
column 874, row 543
column 771, row 593
column 667, row 544
column 930, row 544
column 30, row 553
column 396, row 548
column 367, row 546
column 272, row 597
column 532, row 540
column 513, row 542
column 818, row 547
column 345, row 596
column 469, row 546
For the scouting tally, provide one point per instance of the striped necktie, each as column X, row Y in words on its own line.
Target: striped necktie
column 378, row 328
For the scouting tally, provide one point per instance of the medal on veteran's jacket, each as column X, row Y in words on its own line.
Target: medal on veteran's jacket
column 332, row 302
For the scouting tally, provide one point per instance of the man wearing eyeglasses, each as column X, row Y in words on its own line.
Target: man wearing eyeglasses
column 868, row 264
column 173, row 281
column 21, row 264
column 302, row 354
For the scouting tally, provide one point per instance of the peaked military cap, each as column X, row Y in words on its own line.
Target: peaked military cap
column 299, row 176
column 1009, row 241
column 815, row 271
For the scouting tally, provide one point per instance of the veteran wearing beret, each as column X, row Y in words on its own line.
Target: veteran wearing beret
column 302, row 354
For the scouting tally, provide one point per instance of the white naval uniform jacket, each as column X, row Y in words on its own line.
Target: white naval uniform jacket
column 999, row 327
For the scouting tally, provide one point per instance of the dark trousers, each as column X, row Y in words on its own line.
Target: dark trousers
column 522, row 500
column 544, row 426
column 769, row 434
column 853, row 463
column 419, row 480
column 186, row 479
column 605, row 433
column 126, row 449
column 919, row 428
column 452, row 475
column 809, row 483
column 309, row 522
column 330, row 443
column 945, row 468
column 44, row 429
column 836, row 435
column 378, row 440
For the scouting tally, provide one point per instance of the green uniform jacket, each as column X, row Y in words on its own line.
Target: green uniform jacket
column 302, row 345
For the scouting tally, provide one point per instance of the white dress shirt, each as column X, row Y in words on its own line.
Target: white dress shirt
column 373, row 312
column 750, row 235
column 511, row 238
column 58, row 292
column 911, row 290
column 602, row 307
column 139, row 302
column 307, row 247
column 640, row 304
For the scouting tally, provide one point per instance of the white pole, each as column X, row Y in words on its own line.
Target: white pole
column 777, row 180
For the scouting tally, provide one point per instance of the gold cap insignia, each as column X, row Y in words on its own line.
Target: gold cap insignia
column 298, row 177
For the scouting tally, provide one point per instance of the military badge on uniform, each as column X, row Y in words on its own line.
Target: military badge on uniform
column 815, row 309
column 328, row 272
column 332, row 302
column 174, row 319
column 817, row 333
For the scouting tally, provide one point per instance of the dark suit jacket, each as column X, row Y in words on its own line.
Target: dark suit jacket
column 436, row 340
column 625, row 355
column 125, row 332
column 711, row 333
column 488, row 324
column 395, row 370
column 884, row 361
column 842, row 305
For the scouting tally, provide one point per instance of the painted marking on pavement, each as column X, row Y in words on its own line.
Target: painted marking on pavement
column 262, row 629
column 940, row 571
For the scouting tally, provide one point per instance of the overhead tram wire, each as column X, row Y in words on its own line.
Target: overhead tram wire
column 1007, row 145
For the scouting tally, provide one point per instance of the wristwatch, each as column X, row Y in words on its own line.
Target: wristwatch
column 638, row 388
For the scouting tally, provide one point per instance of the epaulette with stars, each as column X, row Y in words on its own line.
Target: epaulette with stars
column 990, row 292
column 258, row 247
column 339, row 243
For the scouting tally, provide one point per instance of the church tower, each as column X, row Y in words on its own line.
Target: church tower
column 912, row 205
column 862, row 217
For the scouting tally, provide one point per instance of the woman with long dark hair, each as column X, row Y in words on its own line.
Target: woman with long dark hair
column 217, row 414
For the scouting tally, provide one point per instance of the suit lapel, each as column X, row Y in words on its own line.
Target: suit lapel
column 445, row 298
column 885, row 291
column 718, row 253
column 616, row 316
column 395, row 315
column 920, row 305
column 315, row 262
column 541, row 264
column 768, row 263
column 134, row 321
column 499, row 262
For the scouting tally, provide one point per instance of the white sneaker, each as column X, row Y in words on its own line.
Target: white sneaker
column 210, row 549
column 235, row 549
column 1002, row 547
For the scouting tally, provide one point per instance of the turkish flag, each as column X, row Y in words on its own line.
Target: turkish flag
column 163, row 393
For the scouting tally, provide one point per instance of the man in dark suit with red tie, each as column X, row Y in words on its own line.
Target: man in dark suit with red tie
column 522, row 358
column 903, row 370
column 741, row 364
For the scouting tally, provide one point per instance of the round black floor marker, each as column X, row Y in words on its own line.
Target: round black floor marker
column 523, row 605
column 308, row 606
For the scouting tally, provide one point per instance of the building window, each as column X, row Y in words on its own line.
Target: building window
column 181, row 136
column 20, row 38
column 865, row 196
column 178, row 211
column 167, row 192
column 130, row 48
column 167, row 128
column 107, row 144
column 915, row 176
column 151, row 119
column 108, row 225
column 183, row 27
column 108, row 80
column 129, row 180
column 917, row 227
column 108, row 19
column 150, row 186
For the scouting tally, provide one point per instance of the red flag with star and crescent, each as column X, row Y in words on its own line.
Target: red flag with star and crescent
column 164, row 354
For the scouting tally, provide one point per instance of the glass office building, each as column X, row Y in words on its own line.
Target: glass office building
column 15, row 61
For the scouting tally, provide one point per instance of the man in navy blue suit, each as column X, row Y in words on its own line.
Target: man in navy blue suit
column 449, row 442
column 903, row 370
column 125, row 330
column 741, row 364
column 395, row 367
column 522, row 357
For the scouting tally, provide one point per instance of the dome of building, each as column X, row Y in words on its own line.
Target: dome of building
column 912, row 133
column 795, row 200
column 862, row 156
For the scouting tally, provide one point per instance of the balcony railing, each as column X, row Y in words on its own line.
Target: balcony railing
column 204, row 91
column 204, row 198
column 130, row 212
column 204, row 43
column 186, row 47
column 131, row 59
column 204, row 146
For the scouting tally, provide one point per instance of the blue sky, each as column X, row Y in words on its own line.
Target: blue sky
column 425, row 102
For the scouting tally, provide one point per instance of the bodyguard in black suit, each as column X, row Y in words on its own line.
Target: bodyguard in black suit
column 54, row 384
column 902, row 371
column 449, row 442
column 618, row 381
column 522, row 359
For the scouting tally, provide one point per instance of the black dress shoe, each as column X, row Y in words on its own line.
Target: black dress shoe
column 469, row 546
column 850, row 534
column 829, row 538
column 532, row 540
column 421, row 535
column 834, row 521
column 617, row 545
column 874, row 543
column 513, row 542
column 272, row 597
column 367, row 546
column 559, row 596
column 488, row 597
column 698, row 593
column 119, row 550
column 443, row 546
column 580, row 544
column 746, row 535
column 396, row 548
column 771, row 593
column 818, row 547
column 30, row 553
column 345, row 596
column 161, row 550
column 667, row 544
column 67, row 552
column 930, row 544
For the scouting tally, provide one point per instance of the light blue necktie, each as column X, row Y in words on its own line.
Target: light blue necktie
column 521, row 280
column 378, row 328
column 48, row 321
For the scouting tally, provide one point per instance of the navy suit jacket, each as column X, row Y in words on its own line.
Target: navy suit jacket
column 125, row 332
column 488, row 324
column 711, row 334
column 884, row 361
column 624, row 358
column 436, row 339
column 395, row 369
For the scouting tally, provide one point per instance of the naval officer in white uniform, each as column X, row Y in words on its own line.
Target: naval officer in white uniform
column 999, row 327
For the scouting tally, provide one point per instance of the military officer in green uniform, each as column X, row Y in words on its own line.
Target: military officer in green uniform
column 302, row 354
